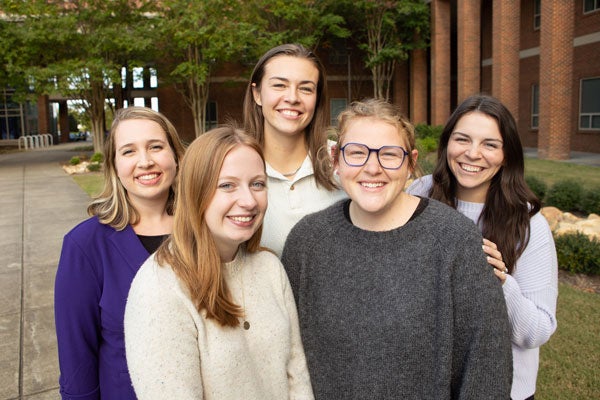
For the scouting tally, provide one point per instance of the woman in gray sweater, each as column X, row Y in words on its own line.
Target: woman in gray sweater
column 394, row 294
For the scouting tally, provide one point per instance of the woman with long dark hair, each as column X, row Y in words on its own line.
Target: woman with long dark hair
column 480, row 172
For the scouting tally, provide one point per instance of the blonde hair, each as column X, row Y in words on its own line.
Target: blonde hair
column 383, row 111
column 112, row 205
column 191, row 250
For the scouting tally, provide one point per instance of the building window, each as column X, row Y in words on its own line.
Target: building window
column 535, row 106
column 537, row 14
column 336, row 107
column 138, row 78
column 211, row 115
column 591, row 5
column 153, row 78
column 589, row 115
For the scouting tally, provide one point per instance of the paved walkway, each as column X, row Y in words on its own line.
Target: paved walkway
column 38, row 205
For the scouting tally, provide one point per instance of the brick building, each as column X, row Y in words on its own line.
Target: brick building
column 541, row 58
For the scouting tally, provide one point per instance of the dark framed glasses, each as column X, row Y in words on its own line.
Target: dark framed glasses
column 389, row 157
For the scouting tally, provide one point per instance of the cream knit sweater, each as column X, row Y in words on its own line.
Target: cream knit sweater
column 175, row 352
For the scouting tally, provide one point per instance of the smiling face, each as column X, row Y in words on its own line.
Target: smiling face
column 376, row 193
column 287, row 95
column 144, row 161
column 238, row 206
column 475, row 155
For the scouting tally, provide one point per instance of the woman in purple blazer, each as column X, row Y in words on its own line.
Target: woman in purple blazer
column 100, row 256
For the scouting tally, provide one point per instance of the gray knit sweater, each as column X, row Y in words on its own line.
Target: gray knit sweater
column 411, row 313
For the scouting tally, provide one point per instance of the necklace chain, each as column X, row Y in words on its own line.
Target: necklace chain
column 240, row 277
column 292, row 173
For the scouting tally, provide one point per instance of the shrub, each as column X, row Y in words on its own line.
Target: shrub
column 578, row 253
column 423, row 131
column 426, row 145
column 537, row 186
column 97, row 158
column 590, row 201
column 565, row 195
column 93, row 167
column 74, row 160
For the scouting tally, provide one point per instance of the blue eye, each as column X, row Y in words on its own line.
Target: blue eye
column 258, row 185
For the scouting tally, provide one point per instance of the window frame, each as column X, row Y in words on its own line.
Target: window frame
column 534, row 122
column 595, row 6
column 589, row 115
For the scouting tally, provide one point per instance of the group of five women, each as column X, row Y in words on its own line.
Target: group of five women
column 174, row 287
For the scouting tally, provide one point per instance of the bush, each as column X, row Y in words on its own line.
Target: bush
column 426, row 145
column 423, row 131
column 590, row 201
column 74, row 160
column 565, row 195
column 577, row 253
column 537, row 186
column 93, row 167
column 97, row 158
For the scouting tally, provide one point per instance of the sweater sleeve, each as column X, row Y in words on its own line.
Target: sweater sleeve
column 77, row 315
column 161, row 337
column 298, row 376
column 482, row 357
column 531, row 293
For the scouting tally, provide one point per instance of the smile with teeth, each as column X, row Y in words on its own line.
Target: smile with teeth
column 242, row 219
column 470, row 168
column 148, row 177
column 372, row 184
column 289, row 113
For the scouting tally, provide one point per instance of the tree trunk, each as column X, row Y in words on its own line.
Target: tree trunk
column 96, row 111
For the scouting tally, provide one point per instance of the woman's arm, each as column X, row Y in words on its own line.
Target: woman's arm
column 531, row 291
column 77, row 293
column 161, row 338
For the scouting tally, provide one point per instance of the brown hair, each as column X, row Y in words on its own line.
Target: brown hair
column 112, row 205
column 381, row 110
column 509, row 203
column 191, row 250
column 315, row 132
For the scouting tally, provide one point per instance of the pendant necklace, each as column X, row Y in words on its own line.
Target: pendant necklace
column 245, row 324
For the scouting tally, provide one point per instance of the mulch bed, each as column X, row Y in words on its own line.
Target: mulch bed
column 586, row 283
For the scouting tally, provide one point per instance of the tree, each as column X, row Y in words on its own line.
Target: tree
column 386, row 31
column 298, row 21
column 76, row 49
column 196, row 37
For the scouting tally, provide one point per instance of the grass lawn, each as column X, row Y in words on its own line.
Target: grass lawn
column 552, row 171
column 569, row 362
column 91, row 183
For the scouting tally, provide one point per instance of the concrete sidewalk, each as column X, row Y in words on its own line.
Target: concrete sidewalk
column 39, row 204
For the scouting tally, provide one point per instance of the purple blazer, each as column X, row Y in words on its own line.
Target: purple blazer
column 96, row 267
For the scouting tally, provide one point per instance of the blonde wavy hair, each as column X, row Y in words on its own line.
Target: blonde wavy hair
column 112, row 205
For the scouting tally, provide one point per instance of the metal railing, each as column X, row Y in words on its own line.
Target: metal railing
column 36, row 141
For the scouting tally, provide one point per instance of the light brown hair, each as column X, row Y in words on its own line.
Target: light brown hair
column 191, row 250
column 383, row 111
column 315, row 132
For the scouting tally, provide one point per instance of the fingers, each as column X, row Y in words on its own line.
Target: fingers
column 494, row 258
column 501, row 275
